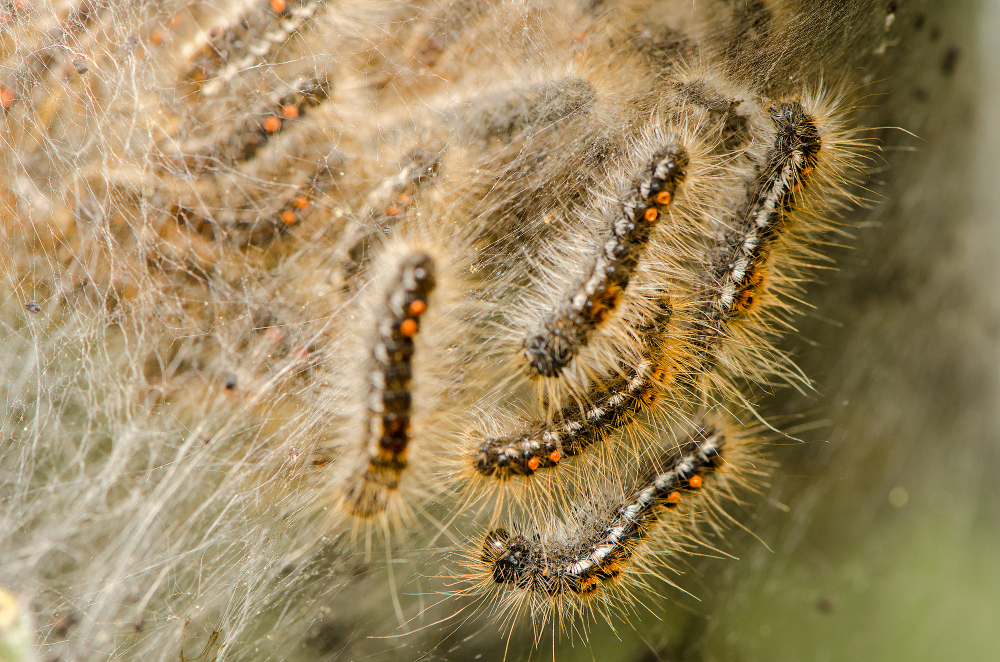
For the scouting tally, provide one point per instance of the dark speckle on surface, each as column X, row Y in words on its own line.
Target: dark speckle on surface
column 950, row 60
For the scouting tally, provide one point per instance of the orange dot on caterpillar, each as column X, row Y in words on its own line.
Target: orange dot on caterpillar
column 272, row 124
column 408, row 328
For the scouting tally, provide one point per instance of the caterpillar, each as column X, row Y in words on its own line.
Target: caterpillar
column 235, row 48
column 387, row 436
column 242, row 142
column 593, row 300
column 608, row 407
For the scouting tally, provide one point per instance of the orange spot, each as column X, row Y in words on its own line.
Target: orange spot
column 279, row 5
column 176, row 20
column 156, row 36
column 807, row 171
column 533, row 463
column 674, row 497
column 745, row 300
column 290, row 111
column 288, row 216
column 555, row 457
column 579, row 35
column 272, row 124
column 695, row 481
column 6, row 97
column 393, row 210
column 405, row 199
column 300, row 202
column 664, row 198
column 650, row 214
column 408, row 328
column 417, row 307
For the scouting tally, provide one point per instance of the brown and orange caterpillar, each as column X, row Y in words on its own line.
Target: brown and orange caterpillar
column 387, row 435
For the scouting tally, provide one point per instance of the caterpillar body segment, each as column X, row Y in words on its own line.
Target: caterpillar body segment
column 549, row 350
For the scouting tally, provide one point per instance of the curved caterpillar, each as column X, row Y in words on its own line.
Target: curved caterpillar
column 607, row 407
column 592, row 301
column 604, row 548
column 744, row 259
column 389, row 399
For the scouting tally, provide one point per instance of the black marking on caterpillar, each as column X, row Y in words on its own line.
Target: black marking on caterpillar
column 567, row 330
column 237, row 47
column 611, row 405
column 738, row 269
column 389, row 397
column 243, row 141
column 581, row 565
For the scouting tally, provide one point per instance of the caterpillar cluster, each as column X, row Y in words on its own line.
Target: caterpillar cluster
column 375, row 285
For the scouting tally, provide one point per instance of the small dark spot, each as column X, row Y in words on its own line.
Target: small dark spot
column 65, row 624
column 919, row 20
column 327, row 636
column 33, row 307
column 231, row 381
column 826, row 605
column 950, row 60
column 920, row 94
column 891, row 7
column 81, row 65
column 935, row 33
column 138, row 624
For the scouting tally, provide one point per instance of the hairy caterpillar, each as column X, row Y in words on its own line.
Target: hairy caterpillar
column 608, row 408
column 389, row 398
column 549, row 350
